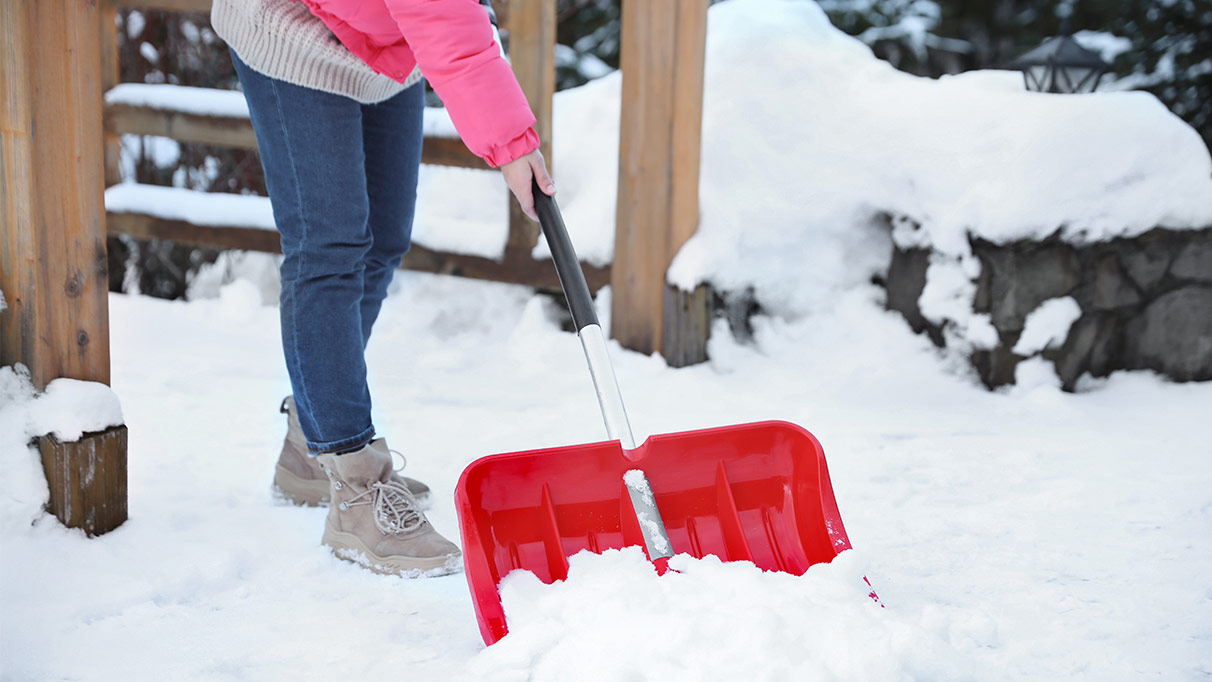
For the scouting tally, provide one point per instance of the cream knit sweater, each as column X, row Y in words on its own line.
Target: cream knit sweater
column 281, row 39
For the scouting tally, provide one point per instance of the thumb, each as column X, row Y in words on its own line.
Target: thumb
column 539, row 166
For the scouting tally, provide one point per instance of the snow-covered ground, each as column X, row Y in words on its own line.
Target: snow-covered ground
column 1021, row 535
column 1027, row 534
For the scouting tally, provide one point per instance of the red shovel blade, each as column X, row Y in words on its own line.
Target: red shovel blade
column 752, row 492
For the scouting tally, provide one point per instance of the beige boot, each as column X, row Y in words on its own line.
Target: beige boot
column 301, row 480
column 375, row 521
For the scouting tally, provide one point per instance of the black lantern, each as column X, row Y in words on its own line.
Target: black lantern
column 1061, row 65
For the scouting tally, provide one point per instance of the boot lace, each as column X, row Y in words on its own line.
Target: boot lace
column 395, row 509
column 403, row 460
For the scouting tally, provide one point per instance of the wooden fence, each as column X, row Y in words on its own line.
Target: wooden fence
column 531, row 28
column 61, row 56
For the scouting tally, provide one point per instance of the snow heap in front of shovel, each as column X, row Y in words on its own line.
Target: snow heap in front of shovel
column 614, row 618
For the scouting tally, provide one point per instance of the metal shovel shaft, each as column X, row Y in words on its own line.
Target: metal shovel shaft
column 593, row 341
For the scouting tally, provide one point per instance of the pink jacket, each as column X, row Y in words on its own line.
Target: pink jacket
column 453, row 42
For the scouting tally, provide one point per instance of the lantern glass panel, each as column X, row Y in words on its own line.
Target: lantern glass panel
column 1037, row 78
column 1082, row 78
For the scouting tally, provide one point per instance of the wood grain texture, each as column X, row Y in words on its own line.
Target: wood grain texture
column 52, row 246
column 169, row 5
column 184, row 126
column 516, row 268
column 663, row 48
column 237, row 132
column 111, row 75
column 686, row 325
column 53, row 264
column 532, row 40
column 87, row 479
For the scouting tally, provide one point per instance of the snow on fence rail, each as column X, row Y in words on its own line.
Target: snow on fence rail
column 220, row 117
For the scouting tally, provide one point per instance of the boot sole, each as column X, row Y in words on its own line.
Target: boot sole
column 350, row 547
column 309, row 492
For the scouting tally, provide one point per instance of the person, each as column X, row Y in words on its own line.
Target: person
column 335, row 96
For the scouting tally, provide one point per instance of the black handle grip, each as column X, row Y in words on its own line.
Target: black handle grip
column 572, row 279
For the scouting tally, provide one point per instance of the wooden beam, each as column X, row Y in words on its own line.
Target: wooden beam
column 450, row 151
column 184, row 126
column 168, row 5
column 516, row 269
column 532, row 40
column 52, row 236
column 111, row 75
column 663, row 47
column 237, row 131
column 142, row 226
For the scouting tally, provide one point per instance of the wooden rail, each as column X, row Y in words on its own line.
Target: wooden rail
column 237, row 132
column 531, row 27
column 514, row 269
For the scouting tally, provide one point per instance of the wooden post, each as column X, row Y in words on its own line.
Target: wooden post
column 663, row 46
column 111, row 75
column 52, row 236
column 532, row 40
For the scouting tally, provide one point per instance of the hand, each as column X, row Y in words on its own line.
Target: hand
column 518, row 174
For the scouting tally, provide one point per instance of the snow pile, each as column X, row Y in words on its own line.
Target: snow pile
column 947, row 298
column 68, row 409
column 247, row 269
column 806, row 135
column 1048, row 325
column 808, row 138
column 615, row 619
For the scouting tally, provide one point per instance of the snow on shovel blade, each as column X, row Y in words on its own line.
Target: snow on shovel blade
column 752, row 492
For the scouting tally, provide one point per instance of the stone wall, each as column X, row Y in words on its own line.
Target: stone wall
column 1146, row 302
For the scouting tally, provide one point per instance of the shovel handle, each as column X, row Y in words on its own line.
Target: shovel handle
column 568, row 268
column 593, row 341
column 585, row 317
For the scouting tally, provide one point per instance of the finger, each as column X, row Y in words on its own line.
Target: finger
column 526, row 200
column 539, row 166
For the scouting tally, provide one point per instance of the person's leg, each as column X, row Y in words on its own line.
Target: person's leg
column 391, row 136
column 311, row 149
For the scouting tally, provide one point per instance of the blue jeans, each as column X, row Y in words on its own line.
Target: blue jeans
column 342, row 179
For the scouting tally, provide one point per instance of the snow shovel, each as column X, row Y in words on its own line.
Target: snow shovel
column 752, row 492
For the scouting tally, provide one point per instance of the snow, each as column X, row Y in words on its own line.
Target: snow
column 1026, row 535
column 958, row 158
column 1048, row 325
column 164, row 152
column 183, row 98
column 823, row 625
column 215, row 209
column 1107, row 45
column 947, row 298
column 70, row 408
column 67, row 409
column 647, row 513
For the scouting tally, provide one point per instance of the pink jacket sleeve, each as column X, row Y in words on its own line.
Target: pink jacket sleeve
column 454, row 45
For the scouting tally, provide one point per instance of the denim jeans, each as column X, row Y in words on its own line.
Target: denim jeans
column 342, row 179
